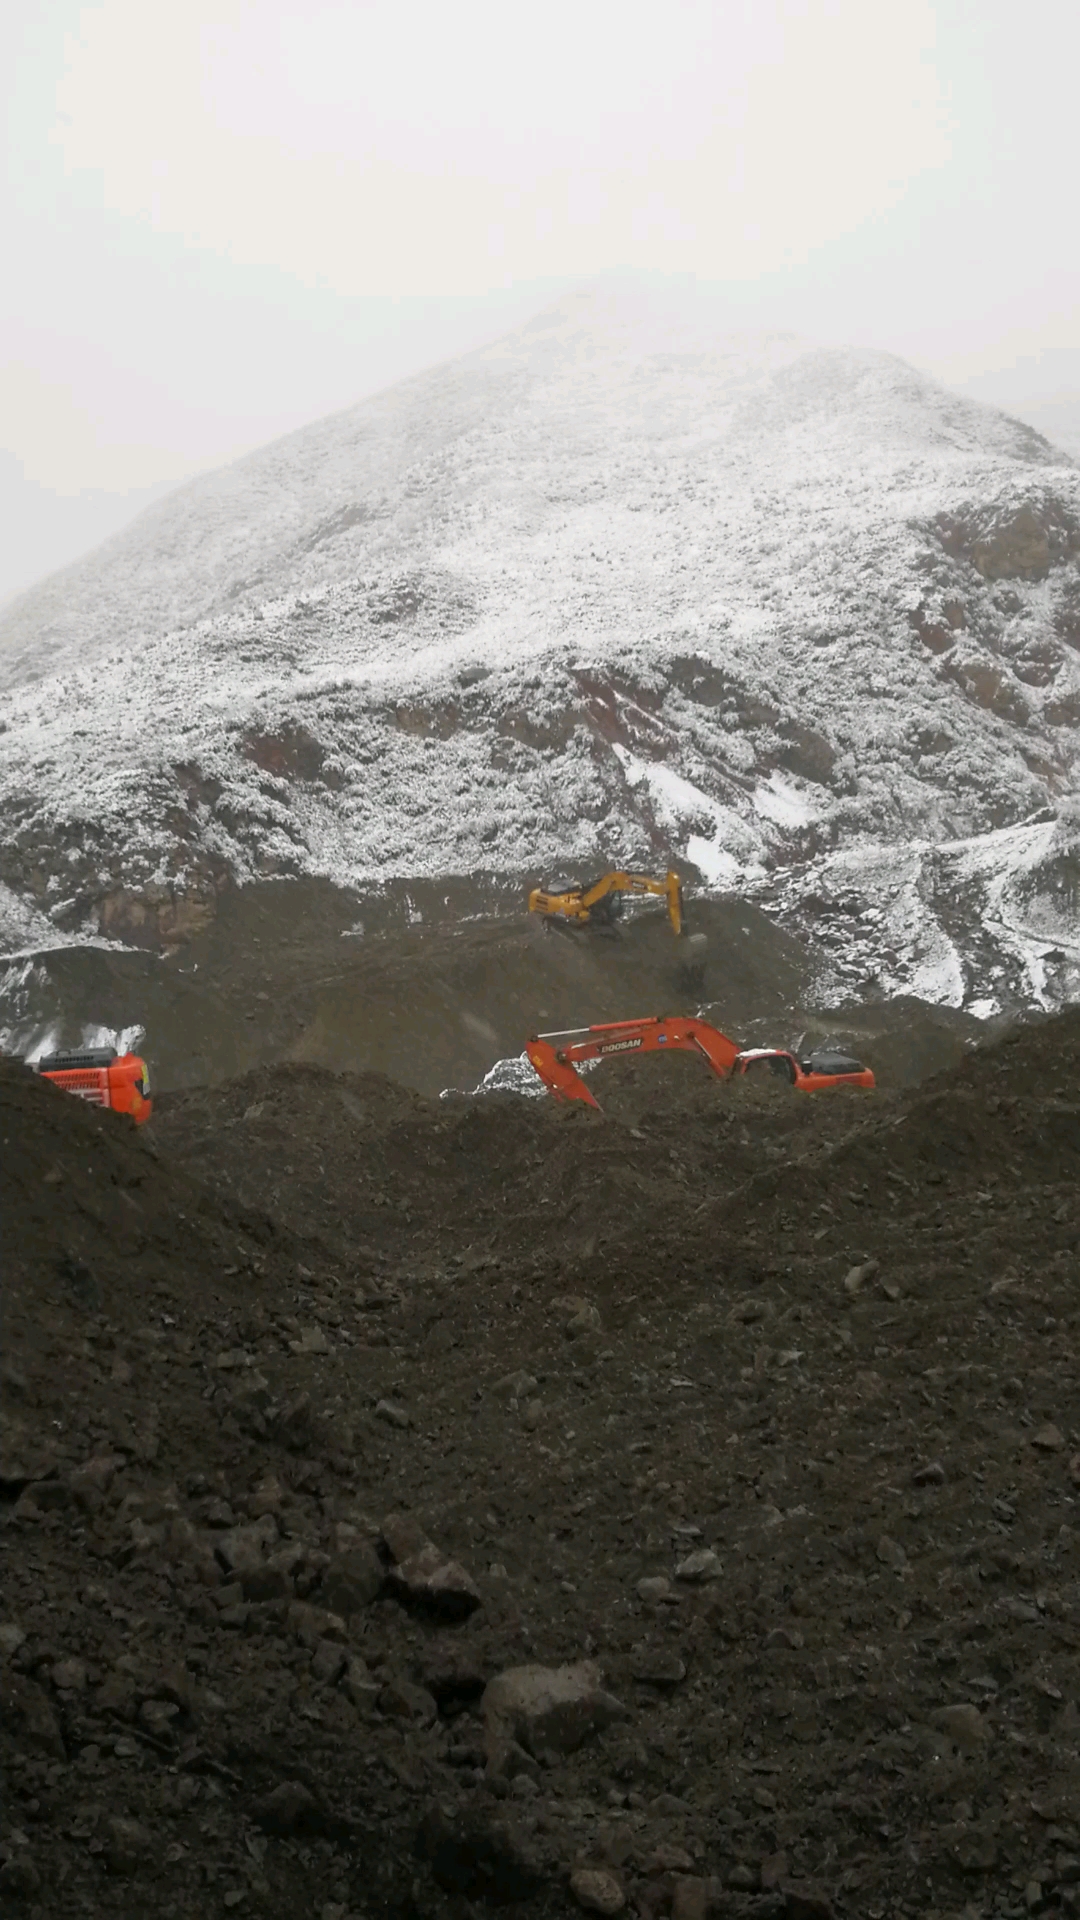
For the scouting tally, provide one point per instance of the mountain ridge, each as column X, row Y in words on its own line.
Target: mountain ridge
column 333, row 445
column 611, row 587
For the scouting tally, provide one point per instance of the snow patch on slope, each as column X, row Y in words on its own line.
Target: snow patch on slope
column 28, row 1037
column 613, row 589
column 983, row 922
column 25, row 930
column 727, row 854
column 782, row 802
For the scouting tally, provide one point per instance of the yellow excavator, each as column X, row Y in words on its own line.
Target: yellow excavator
column 599, row 905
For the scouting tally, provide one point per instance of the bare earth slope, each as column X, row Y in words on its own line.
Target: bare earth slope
column 439, row 1005
column 618, row 586
column 766, row 1408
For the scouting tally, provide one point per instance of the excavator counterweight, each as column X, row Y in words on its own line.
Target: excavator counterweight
column 103, row 1078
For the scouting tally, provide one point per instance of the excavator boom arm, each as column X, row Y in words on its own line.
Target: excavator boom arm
column 556, row 1063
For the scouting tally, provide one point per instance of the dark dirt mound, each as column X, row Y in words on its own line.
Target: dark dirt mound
column 295, row 971
column 904, row 1040
column 766, row 1407
column 1004, row 1121
column 97, row 1224
column 505, row 1172
column 435, row 1010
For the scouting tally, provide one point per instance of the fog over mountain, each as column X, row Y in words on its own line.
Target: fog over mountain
column 615, row 587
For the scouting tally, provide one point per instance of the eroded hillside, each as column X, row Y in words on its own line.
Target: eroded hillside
column 760, row 1415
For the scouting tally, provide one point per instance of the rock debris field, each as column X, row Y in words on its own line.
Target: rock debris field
column 416, row 1507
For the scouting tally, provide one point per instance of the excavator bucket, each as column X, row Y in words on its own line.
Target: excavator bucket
column 557, row 1075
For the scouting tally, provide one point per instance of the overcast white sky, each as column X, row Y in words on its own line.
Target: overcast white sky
column 221, row 219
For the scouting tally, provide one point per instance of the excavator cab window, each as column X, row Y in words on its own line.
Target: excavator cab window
column 779, row 1065
column 608, row 910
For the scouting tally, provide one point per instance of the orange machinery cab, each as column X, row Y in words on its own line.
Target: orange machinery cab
column 104, row 1078
column 813, row 1075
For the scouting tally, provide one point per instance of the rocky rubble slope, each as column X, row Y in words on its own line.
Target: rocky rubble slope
column 414, row 1507
column 431, row 999
column 618, row 587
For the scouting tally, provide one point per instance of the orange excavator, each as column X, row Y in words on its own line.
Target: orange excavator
column 555, row 1056
column 103, row 1077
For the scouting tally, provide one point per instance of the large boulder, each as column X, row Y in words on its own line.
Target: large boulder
column 422, row 1576
column 546, row 1711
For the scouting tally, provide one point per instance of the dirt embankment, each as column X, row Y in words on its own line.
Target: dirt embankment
column 298, row 972
column 766, row 1410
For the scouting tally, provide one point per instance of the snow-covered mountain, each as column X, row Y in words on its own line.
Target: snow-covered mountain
column 618, row 586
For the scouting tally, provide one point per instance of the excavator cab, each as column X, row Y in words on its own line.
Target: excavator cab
column 822, row 1070
column 610, row 908
column 782, row 1066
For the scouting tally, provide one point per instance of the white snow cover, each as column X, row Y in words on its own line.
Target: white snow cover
column 513, row 1075
column 988, row 922
column 617, row 586
column 30, row 1038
